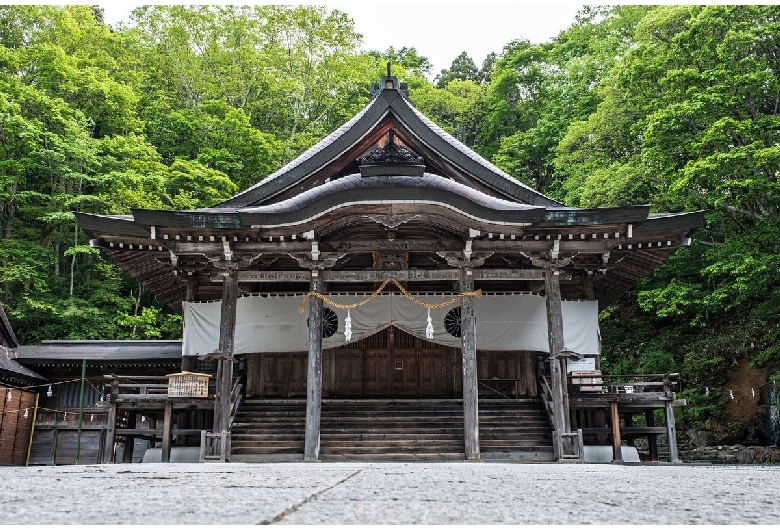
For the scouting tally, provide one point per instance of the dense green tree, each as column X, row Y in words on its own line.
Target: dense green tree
column 462, row 68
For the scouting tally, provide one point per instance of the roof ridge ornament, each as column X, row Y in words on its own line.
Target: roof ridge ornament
column 390, row 160
column 389, row 82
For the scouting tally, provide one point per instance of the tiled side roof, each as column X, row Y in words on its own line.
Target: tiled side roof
column 101, row 350
column 10, row 368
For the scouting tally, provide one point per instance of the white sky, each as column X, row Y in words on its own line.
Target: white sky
column 439, row 31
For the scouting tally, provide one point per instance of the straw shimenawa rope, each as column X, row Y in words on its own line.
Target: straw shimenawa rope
column 325, row 299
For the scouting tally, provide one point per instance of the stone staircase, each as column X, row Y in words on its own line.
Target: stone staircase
column 390, row 429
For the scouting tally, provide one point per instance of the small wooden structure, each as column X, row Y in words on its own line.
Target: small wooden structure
column 56, row 438
column 624, row 397
column 389, row 195
column 149, row 396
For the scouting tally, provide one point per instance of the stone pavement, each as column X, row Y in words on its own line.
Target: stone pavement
column 389, row 493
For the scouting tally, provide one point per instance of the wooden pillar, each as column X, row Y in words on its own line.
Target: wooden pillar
column 560, row 396
column 127, row 457
column 108, row 445
column 468, row 326
column 671, row 432
column 652, row 441
column 628, row 421
column 311, row 451
column 227, row 328
column 188, row 361
column 617, row 453
column 165, row 455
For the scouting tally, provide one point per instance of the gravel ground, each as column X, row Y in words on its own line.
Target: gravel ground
column 389, row 493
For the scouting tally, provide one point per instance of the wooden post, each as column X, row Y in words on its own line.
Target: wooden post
column 108, row 447
column 652, row 441
column 617, row 453
column 469, row 350
column 165, row 456
column 671, row 432
column 188, row 361
column 227, row 328
column 311, row 451
column 81, row 409
column 127, row 456
column 560, row 404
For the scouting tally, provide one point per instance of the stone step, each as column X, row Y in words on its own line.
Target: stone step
column 391, row 429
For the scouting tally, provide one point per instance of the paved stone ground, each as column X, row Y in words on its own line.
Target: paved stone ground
column 389, row 493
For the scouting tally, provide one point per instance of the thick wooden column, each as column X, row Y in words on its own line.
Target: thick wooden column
column 468, row 327
column 560, row 396
column 617, row 452
column 165, row 452
column 127, row 456
column 671, row 432
column 188, row 361
column 311, row 451
column 108, row 444
column 652, row 441
column 227, row 329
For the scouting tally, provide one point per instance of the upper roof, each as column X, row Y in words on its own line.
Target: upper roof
column 389, row 110
column 388, row 180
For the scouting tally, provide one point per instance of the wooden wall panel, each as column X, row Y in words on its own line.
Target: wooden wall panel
column 42, row 451
column 66, row 447
column 14, row 427
column 433, row 373
column 348, row 367
column 368, row 369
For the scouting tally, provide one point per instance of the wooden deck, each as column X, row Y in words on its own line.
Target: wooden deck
column 614, row 398
column 133, row 396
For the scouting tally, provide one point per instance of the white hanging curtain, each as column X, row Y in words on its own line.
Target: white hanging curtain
column 504, row 323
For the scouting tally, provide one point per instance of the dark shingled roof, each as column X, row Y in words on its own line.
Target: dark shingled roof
column 348, row 135
column 112, row 351
column 13, row 372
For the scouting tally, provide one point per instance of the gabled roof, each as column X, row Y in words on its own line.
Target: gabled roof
column 388, row 110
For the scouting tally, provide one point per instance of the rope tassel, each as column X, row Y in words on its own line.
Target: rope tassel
column 429, row 327
column 348, row 327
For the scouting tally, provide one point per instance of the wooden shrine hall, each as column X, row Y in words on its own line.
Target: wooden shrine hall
column 428, row 279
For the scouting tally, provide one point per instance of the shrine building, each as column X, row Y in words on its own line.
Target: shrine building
column 390, row 292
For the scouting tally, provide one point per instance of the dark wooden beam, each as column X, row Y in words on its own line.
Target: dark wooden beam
column 556, row 344
column 227, row 327
column 617, row 452
column 108, row 444
column 188, row 361
column 363, row 276
column 671, row 432
column 311, row 451
column 469, row 350
column 127, row 456
column 652, row 441
column 165, row 453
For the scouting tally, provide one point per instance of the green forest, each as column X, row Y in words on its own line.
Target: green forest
column 181, row 107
